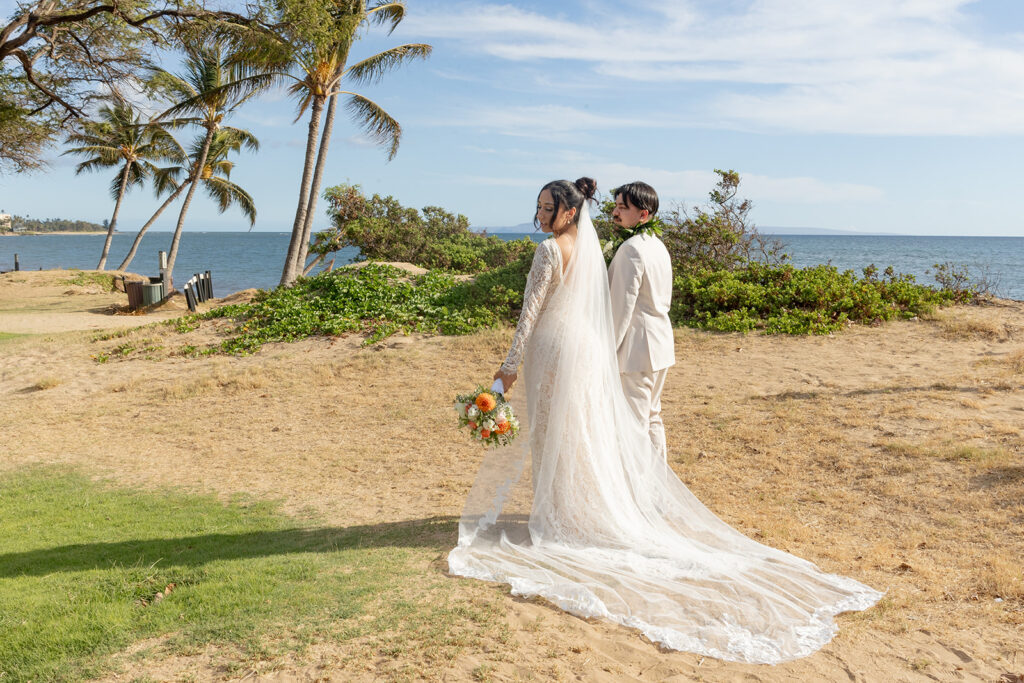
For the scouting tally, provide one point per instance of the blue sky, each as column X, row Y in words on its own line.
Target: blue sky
column 876, row 116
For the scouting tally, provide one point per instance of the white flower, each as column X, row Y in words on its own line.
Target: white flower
column 460, row 408
column 473, row 412
column 489, row 425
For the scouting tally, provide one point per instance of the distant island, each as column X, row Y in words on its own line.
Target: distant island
column 14, row 225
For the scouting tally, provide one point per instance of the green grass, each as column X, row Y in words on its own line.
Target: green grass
column 84, row 279
column 11, row 336
column 82, row 563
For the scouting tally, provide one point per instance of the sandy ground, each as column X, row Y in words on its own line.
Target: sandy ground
column 892, row 454
column 45, row 301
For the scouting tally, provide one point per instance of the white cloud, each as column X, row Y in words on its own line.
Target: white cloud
column 546, row 121
column 905, row 67
column 693, row 186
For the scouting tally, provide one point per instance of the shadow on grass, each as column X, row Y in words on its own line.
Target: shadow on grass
column 439, row 533
column 998, row 476
column 811, row 395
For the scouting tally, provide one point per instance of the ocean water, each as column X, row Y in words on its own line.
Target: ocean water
column 239, row 260
column 236, row 260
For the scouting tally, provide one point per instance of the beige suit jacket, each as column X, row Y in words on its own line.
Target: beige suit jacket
column 640, row 278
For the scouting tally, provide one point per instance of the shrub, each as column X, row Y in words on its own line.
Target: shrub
column 784, row 299
column 718, row 236
column 384, row 230
column 378, row 299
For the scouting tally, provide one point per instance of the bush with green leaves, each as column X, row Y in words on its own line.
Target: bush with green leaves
column 379, row 300
column 784, row 299
column 384, row 230
column 716, row 236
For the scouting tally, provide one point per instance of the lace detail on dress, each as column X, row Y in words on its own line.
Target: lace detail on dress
column 545, row 270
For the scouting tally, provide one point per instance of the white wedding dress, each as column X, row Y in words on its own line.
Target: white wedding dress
column 599, row 524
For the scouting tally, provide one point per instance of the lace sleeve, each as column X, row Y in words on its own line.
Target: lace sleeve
column 538, row 282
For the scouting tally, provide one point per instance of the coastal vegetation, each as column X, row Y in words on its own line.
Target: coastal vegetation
column 26, row 224
column 60, row 60
column 727, row 277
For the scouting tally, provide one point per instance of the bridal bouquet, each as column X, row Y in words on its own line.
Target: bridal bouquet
column 489, row 417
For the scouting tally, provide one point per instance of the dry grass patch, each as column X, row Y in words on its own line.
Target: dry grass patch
column 1015, row 360
column 48, row 382
column 963, row 326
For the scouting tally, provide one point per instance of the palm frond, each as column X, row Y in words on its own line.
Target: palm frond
column 242, row 138
column 115, row 184
column 226, row 193
column 137, row 175
column 95, row 164
column 377, row 123
column 372, row 69
column 386, row 12
column 165, row 180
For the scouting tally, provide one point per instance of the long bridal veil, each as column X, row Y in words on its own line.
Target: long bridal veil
column 582, row 511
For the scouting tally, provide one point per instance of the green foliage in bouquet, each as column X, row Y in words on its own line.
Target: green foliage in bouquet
column 384, row 230
column 788, row 300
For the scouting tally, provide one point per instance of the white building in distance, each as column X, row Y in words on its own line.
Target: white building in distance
column 5, row 221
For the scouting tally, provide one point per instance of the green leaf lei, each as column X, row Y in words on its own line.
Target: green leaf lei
column 651, row 227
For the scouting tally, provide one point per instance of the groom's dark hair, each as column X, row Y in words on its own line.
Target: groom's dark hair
column 638, row 195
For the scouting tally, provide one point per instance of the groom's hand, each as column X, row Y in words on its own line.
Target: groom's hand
column 507, row 379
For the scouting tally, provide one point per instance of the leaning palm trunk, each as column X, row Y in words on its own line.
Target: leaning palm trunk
column 172, row 254
column 291, row 259
column 149, row 223
column 314, row 191
column 113, row 219
column 312, row 264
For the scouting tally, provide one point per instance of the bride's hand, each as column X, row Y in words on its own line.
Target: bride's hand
column 507, row 379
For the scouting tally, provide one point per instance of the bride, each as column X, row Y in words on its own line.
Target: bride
column 599, row 524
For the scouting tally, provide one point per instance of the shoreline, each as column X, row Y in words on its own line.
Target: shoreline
column 59, row 232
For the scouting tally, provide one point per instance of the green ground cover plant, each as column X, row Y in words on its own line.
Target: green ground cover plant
column 87, row 569
column 83, row 279
column 784, row 299
column 377, row 299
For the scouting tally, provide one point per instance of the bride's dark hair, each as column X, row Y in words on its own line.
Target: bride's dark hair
column 569, row 195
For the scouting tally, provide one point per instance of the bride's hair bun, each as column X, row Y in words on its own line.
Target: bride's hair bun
column 588, row 186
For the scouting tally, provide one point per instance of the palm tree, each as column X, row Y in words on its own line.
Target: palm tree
column 321, row 67
column 216, row 80
column 221, row 189
column 119, row 138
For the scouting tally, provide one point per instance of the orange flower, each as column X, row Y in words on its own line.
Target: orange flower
column 485, row 402
column 472, row 425
column 485, row 433
column 504, row 427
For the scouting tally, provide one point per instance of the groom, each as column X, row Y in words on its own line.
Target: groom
column 640, row 279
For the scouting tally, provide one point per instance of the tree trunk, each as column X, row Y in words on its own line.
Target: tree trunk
column 172, row 255
column 113, row 219
column 291, row 264
column 144, row 228
column 314, row 191
column 312, row 265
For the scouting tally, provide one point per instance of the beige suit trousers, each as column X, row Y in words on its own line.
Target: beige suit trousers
column 643, row 393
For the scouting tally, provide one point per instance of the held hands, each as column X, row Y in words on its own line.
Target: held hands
column 507, row 378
